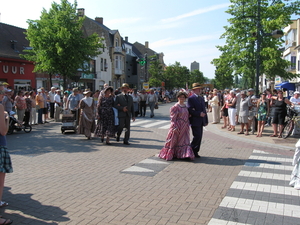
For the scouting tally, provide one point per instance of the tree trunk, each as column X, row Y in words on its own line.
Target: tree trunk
column 64, row 82
column 50, row 81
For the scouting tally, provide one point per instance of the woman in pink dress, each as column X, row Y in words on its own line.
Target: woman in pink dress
column 178, row 139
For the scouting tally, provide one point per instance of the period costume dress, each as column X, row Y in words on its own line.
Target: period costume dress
column 177, row 143
column 87, row 118
column 106, row 121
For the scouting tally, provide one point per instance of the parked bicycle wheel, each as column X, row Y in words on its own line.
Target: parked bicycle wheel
column 288, row 129
column 27, row 129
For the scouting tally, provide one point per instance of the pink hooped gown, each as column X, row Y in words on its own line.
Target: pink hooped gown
column 177, row 143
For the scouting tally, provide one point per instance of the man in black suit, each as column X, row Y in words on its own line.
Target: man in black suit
column 124, row 105
column 198, row 117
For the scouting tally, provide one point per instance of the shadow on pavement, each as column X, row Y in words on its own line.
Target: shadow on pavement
column 220, row 161
column 28, row 206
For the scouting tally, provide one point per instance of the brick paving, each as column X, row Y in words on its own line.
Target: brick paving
column 66, row 179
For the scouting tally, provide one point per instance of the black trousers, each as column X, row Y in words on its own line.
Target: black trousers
column 52, row 110
column 142, row 108
column 124, row 122
column 196, row 142
column 26, row 118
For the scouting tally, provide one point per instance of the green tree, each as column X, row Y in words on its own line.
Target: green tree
column 156, row 72
column 176, row 76
column 58, row 44
column 196, row 76
column 238, row 55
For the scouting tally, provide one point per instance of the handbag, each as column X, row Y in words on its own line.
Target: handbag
column 156, row 106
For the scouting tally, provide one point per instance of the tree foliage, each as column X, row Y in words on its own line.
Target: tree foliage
column 238, row 55
column 58, row 44
column 156, row 72
column 175, row 76
column 196, row 76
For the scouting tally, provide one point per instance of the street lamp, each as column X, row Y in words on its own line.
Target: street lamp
column 259, row 35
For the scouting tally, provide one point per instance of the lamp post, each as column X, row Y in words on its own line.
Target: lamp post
column 259, row 35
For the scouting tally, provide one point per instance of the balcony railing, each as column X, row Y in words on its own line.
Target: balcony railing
column 118, row 71
column 118, row 49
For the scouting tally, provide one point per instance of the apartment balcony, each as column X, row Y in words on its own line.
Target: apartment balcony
column 118, row 49
column 119, row 71
column 290, row 44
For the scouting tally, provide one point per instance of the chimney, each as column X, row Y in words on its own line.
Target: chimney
column 126, row 39
column 146, row 44
column 99, row 20
column 80, row 12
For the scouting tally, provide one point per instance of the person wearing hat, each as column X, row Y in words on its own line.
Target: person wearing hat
column 142, row 103
column 124, row 105
column 52, row 94
column 5, row 84
column 152, row 100
column 105, row 115
column 57, row 105
column 295, row 99
column 73, row 102
column 87, row 118
column 198, row 117
column 8, row 101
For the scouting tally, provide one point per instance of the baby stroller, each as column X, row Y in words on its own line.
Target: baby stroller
column 15, row 124
column 69, row 121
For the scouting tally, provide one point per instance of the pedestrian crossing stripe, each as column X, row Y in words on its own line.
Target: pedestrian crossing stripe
column 264, row 175
column 165, row 127
column 135, row 123
column 261, row 206
column 148, row 167
column 154, row 124
column 138, row 169
column 258, row 196
column 223, row 222
column 151, row 123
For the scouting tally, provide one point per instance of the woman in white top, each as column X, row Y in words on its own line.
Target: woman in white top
column 214, row 103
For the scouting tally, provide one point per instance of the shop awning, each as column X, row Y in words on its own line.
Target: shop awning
column 287, row 85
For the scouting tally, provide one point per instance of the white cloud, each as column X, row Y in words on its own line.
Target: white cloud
column 195, row 12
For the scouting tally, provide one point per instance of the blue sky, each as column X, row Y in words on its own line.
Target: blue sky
column 185, row 31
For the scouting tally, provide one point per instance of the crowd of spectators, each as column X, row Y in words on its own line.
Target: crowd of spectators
column 251, row 112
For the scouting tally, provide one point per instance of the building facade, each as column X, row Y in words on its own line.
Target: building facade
column 292, row 54
column 14, row 70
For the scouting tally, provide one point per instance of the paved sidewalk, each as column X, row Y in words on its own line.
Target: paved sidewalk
column 67, row 179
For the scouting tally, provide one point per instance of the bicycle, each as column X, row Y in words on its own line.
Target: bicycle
column 292, row 121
